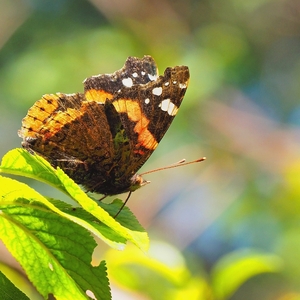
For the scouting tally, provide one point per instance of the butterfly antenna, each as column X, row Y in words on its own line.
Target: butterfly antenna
column 180, row 163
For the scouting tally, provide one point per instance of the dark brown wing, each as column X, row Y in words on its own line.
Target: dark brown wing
column 70, row 133
column 147, row 111
column 135, row 72
column 145, row 105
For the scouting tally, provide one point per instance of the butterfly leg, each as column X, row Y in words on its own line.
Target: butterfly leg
column 102, row 198
column 123, row 205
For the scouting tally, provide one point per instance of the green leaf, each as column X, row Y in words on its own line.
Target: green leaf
column 17, row 277
column 8, row 291
column 9, row 189
column 126, row 227
column 21, row 162
column 107, row 234
column 130, row 229
column 236, row 268
column 55, row 252
column 163, row 268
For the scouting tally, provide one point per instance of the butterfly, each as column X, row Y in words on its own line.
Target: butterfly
column 102, row 137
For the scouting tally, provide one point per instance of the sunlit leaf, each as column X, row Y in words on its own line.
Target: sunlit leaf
column 55, row 253
column 237, row 267
column 169, row 275
column 8, row 291
column 21, row 162
column 17, row 277
column 131, row 229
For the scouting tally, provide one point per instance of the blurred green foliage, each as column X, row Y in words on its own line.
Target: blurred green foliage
column 241, row 111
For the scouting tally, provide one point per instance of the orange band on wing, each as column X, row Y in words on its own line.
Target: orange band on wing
column 134, row 113
column 38, row 114
column 97, row 95
column 59, row 121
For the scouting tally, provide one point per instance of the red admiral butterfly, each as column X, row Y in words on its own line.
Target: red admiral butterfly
column 101, row 137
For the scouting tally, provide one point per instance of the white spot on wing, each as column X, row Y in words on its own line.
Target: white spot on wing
column 127, row 82
column 182, row 85
column 157, row 91
column 143, row 73
column 168, row 106
column 152, row 77
column 135, row 74
column 147, row 100
column 167, row 83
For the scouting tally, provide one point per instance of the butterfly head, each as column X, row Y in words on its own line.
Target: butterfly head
column 137, row 181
